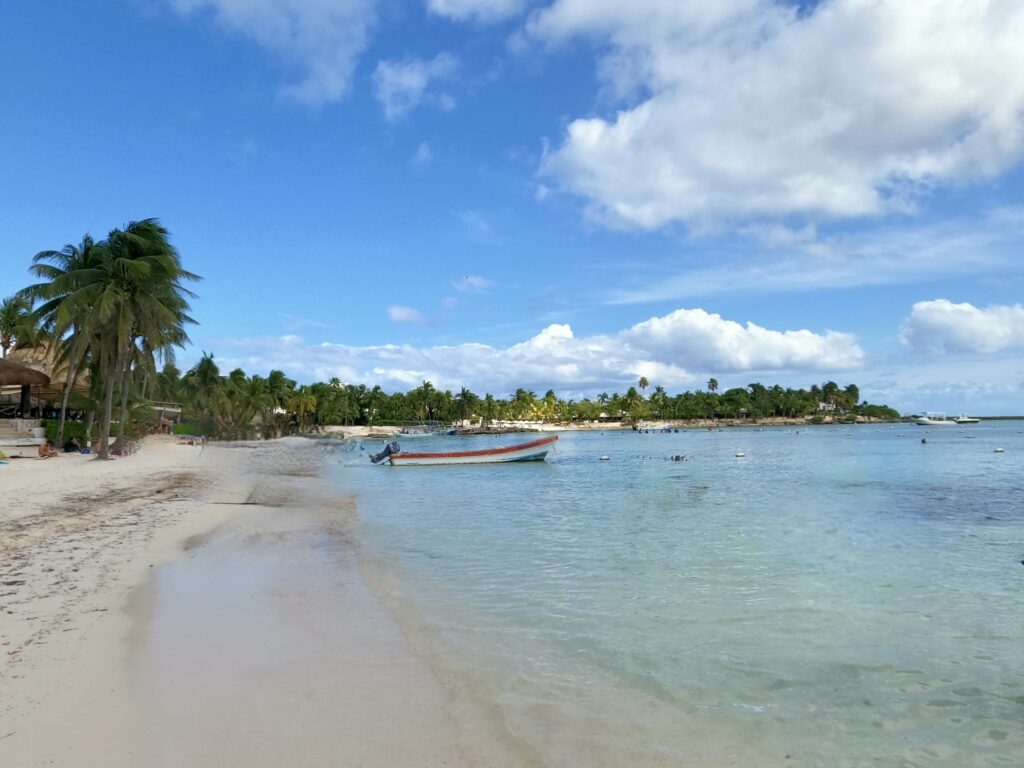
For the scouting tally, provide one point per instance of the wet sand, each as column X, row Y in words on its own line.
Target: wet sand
column 205, row 609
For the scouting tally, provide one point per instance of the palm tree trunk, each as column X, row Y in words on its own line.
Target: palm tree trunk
column 69, row 382
column 88, row 427
column 119, row 442
column 108, row 407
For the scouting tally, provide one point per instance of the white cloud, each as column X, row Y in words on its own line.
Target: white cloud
column 401, row 86
column 400, row 314
column 712, row 343
column 473, row 284
column 322, row 38
column 941, row 325
column 748, row 108
column 479, row 10
column 679, row 349
column 423, row 154
column 800, row 259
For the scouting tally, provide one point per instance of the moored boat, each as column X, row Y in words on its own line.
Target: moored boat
column 535, row 450
column 935, row 419
column 962, row 419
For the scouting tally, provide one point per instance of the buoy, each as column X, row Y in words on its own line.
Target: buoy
column 740, row 455
column 999, row 450
column 604, row 458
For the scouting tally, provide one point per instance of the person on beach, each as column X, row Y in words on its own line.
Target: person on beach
column 47, row 451
column 72, row 446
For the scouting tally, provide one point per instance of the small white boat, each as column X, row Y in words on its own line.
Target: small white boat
column 425, row 429
column 536, row 450
column 961, row 419
column 935, row 419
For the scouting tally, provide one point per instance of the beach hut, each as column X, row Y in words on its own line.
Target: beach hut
column 18, row 432
column 17, row 375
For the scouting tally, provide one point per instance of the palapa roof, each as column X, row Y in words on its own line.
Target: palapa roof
column 12, row 373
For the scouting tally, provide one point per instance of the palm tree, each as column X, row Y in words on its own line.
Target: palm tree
column 425, row 396
column 302, row 404
column 141, row 305
column 18, row 325
column 523, row 402
column 489, row 408
column 279, row 390
column 632, row 403
column 466, row 399
column 659, row 397
column 644, row 384
column 66, row 311
column 712, row 385
column 373, row 402
column 205, row 389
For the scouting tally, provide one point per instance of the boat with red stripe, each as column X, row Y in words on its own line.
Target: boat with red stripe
column 535, row 450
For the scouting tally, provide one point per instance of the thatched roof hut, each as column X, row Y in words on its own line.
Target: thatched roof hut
column 16, row 374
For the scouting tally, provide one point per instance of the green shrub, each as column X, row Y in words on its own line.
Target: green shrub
column 185, row 428
column 74, row 429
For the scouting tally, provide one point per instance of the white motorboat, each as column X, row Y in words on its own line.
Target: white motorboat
column 935, row 419
column 961, row 419
column 532, row 451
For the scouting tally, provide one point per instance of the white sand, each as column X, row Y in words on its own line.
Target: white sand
column 203, row 608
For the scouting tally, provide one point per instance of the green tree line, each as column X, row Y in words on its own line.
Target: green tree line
column 239, row 405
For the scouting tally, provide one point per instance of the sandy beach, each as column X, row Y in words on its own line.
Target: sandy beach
column 189, row 606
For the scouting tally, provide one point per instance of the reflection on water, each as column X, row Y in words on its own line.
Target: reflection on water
column 839, row 596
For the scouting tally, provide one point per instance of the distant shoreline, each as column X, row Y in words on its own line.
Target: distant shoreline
column 382, row 432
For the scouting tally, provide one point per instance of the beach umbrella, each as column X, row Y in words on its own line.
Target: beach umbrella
column 15, row 374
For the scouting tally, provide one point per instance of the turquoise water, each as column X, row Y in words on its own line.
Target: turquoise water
column 840, row 596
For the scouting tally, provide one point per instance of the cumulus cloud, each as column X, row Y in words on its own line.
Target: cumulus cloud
column 400, row 86
column 400, row 314
column 321, row 38
column 755, row 109
column 941, row 325
column 479, row 10
column 710, row 342
column 675, row 350
column 473, row 284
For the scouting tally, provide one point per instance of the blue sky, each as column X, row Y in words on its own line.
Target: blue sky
column 564, row 193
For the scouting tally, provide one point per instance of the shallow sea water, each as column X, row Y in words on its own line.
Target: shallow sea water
column 840, row 596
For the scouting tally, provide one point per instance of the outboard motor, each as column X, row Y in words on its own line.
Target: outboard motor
column 389, row 449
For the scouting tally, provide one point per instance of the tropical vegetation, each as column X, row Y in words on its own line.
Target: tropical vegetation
column 111, row 313
column 237, row 405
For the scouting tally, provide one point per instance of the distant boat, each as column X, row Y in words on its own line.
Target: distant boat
column 935, row 419
column 646, row 426
column 426, row 429
column 536, row 450
column 961, row 419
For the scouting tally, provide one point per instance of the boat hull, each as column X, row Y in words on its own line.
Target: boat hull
column 935, row 423
column 536, row 450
